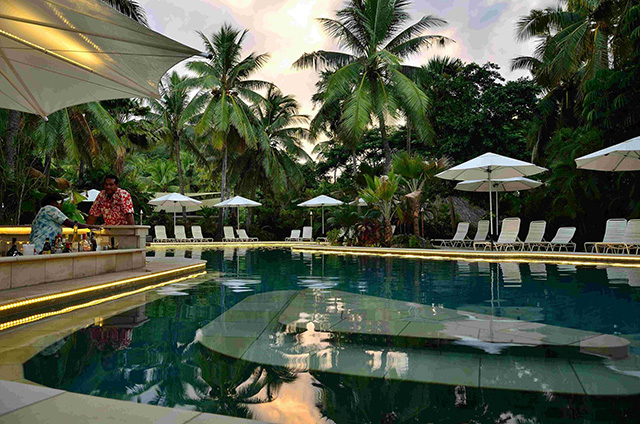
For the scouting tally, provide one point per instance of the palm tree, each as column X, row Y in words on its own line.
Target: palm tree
column 228, row 116
column 380, row 192
column 412, row 169
column 272, row 164
column 574, row 42
column 172, row 114
column 130, row 8
column 369, row 82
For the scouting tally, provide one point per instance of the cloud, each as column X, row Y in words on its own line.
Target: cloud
column 483, row 30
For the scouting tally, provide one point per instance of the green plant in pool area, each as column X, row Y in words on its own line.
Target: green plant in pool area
column 380, row 192
column 333, row 237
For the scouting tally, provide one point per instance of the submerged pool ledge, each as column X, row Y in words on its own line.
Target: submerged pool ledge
column 569, row 258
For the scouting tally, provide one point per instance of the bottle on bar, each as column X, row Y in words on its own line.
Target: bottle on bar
column 75, row 241
column 57, row 244
column 86, row 246
column 66, row 248
column 13, row 250
column 93, row 242
column 46, row 249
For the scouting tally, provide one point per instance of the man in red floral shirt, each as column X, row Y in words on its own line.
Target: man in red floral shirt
column 113, row 204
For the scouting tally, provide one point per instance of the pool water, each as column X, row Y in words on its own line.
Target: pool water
column 154, row 354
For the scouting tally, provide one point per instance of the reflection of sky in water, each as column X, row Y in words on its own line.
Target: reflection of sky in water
column 240, row 285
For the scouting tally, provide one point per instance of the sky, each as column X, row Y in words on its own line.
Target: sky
column 483, row 30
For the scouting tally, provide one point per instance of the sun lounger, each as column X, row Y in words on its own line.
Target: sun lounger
column 458, row 238
column 181, row 234
column 307, row 234
column 562, row 240
column 295, row 236
column 161, row 234
column 613, row 233
column 242, row 236
column 535, row 235
column 507, row 238
column 481, row 233
column 196, row 232
column 229, row 235
column 630, row 240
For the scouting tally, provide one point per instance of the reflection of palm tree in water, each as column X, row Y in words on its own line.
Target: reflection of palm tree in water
column 236, row 383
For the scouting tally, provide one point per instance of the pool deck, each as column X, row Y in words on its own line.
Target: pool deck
column 230, row 245
column 572, row 258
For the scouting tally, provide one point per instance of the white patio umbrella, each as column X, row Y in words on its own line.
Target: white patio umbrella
column 174, row 199
column 90, row 195
column 55, row 54
column 624, row 156
column 321, row 201
column 501, row 185
column 238, row 202
column 490, row 166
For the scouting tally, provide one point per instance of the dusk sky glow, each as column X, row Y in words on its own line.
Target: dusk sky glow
column 483, row 30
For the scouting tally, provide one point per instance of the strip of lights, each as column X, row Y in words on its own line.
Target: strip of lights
column 68, row 309
column 153, row 276
column 189, row 245
column 558, row 258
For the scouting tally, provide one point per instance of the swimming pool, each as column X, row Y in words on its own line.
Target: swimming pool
column 285, row 336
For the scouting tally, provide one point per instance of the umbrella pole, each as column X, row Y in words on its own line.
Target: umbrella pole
column 174, row 218
column 238, row 216
column 490, row 211
column 497, row 213
column 323, row 220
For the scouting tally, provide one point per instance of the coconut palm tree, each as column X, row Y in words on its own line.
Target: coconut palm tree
column 228, row 116
column 130, row 8
column 574, row 41
column 272, row 164
column 369, row 81
column 173, row 113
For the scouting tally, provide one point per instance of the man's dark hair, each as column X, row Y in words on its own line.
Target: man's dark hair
column 112, row 177
column 51, row 198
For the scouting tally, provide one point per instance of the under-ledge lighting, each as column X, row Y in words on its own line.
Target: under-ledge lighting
column 68, row 309
column 558, row 258
column 98, row 287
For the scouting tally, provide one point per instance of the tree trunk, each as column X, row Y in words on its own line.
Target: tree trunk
column 13, row 126
column 388, row 231
column 452, row 214
column 408, row 137
column 386, row 147
column 223, row 187
column 180, row 174
column 47, row 170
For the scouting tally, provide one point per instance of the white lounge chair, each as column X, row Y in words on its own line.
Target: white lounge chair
column 295, row 236
column 613, row 233
column 229, row 235
column 181, row 233
column 562, row 240
column 196, row 232
column 481, row 233
column 307, row 234
column 458, row 238
column 630, row 240
column 535, row 236
column 507, row 238
column 242, row 235
column 161, row 234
